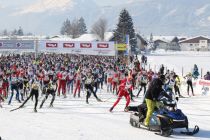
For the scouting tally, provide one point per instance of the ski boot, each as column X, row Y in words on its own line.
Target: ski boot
column 65, row 96
column 35, row 110
column 110, row 110
column 51, row 105
column 126, row 109
column 99, row 100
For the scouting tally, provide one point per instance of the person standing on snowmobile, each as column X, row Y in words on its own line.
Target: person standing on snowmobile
column 155, row 89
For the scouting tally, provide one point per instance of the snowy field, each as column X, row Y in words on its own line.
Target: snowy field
column 179, row 61
column 72, row 118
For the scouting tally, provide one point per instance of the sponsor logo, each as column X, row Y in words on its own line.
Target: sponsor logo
column 85, row 45
column 102, row 45
column 68, row 45
column 51, row 45
column 18, row 45
column 204, row 83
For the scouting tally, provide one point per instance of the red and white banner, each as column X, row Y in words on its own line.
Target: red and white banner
column 102, row 45
column 85, row 45
column 204, row 83
column 51, row 45
column 68, row 45
column 73, row 47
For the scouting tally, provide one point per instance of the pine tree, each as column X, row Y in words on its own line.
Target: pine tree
column 125, row 27
column 65, row 29
column 5, row 32
column 82, row 26
column 14, row 32
column 151, row 38
column 20, row 32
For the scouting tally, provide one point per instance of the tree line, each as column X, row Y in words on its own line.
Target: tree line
column 15, row 32
column 124, row 29
column 123, row 32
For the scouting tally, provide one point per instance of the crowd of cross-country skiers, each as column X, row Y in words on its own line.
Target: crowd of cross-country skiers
column 28, row 76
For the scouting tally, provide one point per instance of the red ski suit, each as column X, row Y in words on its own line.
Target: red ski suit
column 62, row 80
column 123, row 91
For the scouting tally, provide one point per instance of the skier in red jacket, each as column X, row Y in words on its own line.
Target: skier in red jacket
column 125, row 85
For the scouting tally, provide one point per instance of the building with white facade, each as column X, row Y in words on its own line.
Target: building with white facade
column 195, row 44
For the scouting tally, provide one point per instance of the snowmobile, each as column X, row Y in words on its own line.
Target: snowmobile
column 163, row 120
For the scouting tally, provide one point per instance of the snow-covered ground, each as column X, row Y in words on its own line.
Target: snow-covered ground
column 178, row 61
column 72, row 118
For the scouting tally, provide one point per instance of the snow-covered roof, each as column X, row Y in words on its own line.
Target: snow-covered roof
column 166, row 38
column 163, row 38
column 195, row 39
column 84, row 37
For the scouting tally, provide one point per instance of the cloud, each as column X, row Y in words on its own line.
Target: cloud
column 133, row 1
column 208, row 18
column 201, row 10
column 2, row 6
column 44, row 5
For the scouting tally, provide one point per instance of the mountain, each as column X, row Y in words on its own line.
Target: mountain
column 160, row 17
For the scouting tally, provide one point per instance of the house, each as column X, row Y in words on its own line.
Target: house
column 141, row 42
column 174, row 44
column 199, row 43
column 160, row 44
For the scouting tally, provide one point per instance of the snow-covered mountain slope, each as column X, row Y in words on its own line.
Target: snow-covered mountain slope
column 161, row 17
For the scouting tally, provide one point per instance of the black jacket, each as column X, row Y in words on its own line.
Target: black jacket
column 154, row 89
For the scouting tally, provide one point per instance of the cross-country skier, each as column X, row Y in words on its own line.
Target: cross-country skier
column 35, row 85
column 143, row 80
column 14, row 86
column 189, row 83
column 89, row 81
column 123, row 92
column 51, row 89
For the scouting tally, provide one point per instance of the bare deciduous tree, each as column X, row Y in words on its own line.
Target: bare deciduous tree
column 74, row 30
column 99, row 28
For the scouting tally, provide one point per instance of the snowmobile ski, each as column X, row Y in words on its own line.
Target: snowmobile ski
column 195, row 131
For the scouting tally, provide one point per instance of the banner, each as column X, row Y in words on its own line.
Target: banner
column 17, row 44
column 121, row 47
column 204, row 83
column 76, row 47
